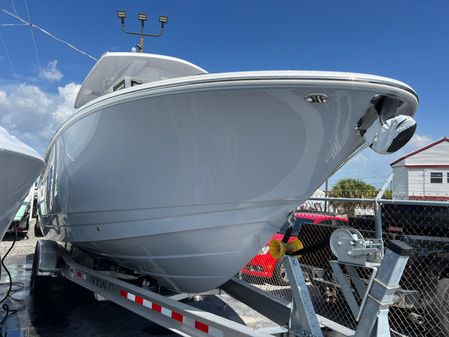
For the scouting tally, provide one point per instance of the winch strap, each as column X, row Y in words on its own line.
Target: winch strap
column 313, row 248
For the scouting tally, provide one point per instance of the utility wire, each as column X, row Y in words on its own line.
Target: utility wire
column 13, row 3
column 32, row 36
column 12, row 24
column 47, row 33
column 8, row 57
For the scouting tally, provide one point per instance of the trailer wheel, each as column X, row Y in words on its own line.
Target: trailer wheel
column 442, row 309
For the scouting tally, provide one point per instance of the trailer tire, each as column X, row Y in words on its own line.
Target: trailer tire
column 440, row 303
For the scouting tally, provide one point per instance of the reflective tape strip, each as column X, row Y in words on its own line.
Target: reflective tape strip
column 200, row 326
column 78, row 274
column 156, row 307
column 215, row 332
column 139, row 300
column 166, row 312
column 176, row 316
column 147, row 304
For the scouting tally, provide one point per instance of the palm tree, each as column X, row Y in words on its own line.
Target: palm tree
column 352, row 188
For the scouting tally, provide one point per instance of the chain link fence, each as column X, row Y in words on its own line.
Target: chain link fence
column 421, row 306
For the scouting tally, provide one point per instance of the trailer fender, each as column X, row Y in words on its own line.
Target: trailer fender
column 47, row 257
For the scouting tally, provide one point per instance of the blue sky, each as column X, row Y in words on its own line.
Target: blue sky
column 405, row 40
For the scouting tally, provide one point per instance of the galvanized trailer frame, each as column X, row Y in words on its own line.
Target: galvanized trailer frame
column 296, row 319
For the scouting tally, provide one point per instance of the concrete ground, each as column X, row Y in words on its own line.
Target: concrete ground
column 72, row 311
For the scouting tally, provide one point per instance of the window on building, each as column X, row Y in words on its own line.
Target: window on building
column 436, row 177
column 447, row 177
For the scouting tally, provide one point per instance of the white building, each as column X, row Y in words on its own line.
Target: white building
column 423, row 174
column 314, row 205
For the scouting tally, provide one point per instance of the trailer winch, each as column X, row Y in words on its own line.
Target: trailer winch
column 349, row 246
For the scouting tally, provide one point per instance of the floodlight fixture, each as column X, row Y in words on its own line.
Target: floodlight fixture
column 142, row 17
column 163, row 20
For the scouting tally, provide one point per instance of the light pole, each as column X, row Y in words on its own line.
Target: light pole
column 142, row 17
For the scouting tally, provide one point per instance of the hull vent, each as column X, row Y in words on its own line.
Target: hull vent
column 316, row 98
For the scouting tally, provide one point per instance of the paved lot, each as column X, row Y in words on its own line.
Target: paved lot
column 72, row 311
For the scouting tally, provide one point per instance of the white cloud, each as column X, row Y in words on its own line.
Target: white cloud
column 375, row 168
column 419, row 141
column 33, row 115
column 3, row 97
column 68, row 94
column 50, row 72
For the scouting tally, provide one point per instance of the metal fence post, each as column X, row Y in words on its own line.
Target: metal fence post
column 378, row 219
column 378, row 209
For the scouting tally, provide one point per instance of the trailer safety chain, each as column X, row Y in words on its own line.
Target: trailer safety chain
column 291, row 219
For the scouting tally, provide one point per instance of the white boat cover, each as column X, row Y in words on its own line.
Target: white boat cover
column 394, row 133
column 10, row 143
column 20, row 165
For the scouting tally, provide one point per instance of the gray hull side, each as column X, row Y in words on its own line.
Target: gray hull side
column 188, row 261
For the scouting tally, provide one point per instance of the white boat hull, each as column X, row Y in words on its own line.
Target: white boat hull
column 19, row 168
column 186, row 181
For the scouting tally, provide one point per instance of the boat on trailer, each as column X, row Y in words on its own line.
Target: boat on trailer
column 184, row 175
column 20, row 166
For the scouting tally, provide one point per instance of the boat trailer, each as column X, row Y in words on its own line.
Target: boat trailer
column 369, row 301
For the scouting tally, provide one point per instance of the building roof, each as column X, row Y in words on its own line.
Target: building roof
column 444, row 139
